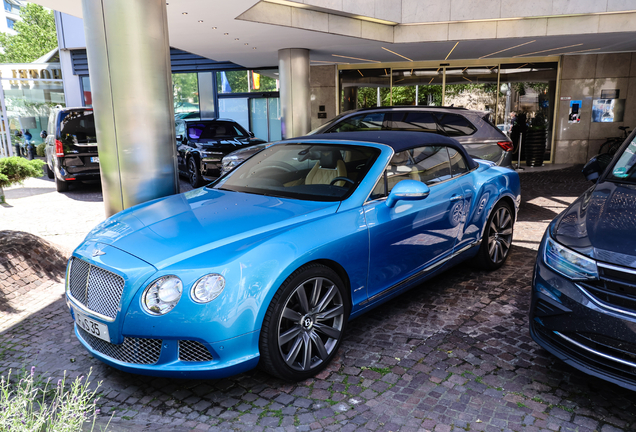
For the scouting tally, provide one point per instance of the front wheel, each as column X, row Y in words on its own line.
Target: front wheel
column 194, row 176
column 497, row 238
column 304, row 324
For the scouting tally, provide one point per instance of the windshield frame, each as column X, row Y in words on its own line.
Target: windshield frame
column 607, row 175
column 278, row 193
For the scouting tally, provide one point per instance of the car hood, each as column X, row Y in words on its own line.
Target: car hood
column 601, row 224
column 172, row 229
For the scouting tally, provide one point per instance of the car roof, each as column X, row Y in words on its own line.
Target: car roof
column 418, row 108
column 397, row 140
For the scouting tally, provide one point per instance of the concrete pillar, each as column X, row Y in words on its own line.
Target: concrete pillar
column 293, row 70
column 129, row 63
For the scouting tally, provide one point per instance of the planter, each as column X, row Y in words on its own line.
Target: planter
column 534, row 142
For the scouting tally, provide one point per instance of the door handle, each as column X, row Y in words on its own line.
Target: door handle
column 456, row 198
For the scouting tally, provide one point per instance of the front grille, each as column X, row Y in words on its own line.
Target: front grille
column 615, row 287
column 133, row 350
column 97, row 289
column 193, row 351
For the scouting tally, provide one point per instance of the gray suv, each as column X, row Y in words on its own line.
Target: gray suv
column 472, row 128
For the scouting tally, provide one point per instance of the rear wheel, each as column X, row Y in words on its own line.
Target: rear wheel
column 497, row 238
column 304, row 324
column 61, row 185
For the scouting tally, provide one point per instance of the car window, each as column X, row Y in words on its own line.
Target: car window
column 361, row 122
column 214, row 130
column 455, row 125
column 457, row 161
column 180, row 128
column 625, row 168
column 77, row 127
column 412, row 121
column 428, row 164
column 304, row 171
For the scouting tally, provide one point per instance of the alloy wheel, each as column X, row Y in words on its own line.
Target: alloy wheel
column 500, row 235
column 311, row 324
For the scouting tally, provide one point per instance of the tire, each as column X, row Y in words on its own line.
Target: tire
column 194, row 176
column 61, row 185
column 304, row 324
column 49, row 172
column 497, row 238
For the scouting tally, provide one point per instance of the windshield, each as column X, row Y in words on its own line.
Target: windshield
column 77, row 127
column 215, row 130
column 625, row 168
column 311, row 172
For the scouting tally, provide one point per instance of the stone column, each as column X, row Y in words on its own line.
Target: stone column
column 293, row 69
column 129, row 62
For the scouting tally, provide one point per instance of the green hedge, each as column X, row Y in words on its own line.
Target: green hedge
column 15, row 169
column 39, row 150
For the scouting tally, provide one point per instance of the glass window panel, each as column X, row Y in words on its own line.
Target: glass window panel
column 86, row 90
column 275, row 116
column 417, row 87
column 527, row 101
column 473, row 87
column 431, row 164
column 264, row 80
column 232, row 82
column 10, row 23
column 362, row 122
column 363, row 88
column 457, row 161
column 186, row 95
column 235, row 109
column 258, row 118
column 455, row 125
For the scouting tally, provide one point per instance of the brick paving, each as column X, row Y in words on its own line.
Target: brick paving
column 454, row 354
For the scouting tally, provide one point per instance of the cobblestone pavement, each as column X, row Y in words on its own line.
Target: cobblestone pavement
column 453, row 354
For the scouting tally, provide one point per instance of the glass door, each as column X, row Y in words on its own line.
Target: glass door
column 418, row 86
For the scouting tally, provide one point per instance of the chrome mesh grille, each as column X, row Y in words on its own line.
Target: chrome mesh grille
column 193, row 351
column 97, row 289
column 133, row 350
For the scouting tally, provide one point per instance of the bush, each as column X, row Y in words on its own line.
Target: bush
column 15, row 169
column 39, row 150
column 27, row 406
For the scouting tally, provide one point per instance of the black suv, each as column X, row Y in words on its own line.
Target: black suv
column 71, row 146
column 473, row 129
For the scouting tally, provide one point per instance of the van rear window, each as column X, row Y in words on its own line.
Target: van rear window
column 77, row 127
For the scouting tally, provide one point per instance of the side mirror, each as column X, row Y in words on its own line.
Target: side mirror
column 595, row 167
column 251, row 134
column 407, row 190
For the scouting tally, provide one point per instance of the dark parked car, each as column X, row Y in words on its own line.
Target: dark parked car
column 71, row 146
column 202, row 144
column 473, row 129
column 584, row 285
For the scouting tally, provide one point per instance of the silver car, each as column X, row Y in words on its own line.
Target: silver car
column 471, row 128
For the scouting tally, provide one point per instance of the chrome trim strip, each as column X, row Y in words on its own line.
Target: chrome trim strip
column 76, row 304
column 602, row 304
column 418, row 274
column 600, row 354
column 617, row 268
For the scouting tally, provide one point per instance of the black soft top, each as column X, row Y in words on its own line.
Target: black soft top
column 398, row 140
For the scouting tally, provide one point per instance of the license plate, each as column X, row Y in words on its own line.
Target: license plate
column 95, row 328
column 95, row 159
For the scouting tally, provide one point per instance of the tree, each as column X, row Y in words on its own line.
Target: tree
column 35, row 36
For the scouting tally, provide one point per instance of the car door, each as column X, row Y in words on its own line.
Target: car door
column 413, row 236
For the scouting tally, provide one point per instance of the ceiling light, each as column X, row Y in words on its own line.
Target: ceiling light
column 451, row 51
column 184, row 13
column 467, row 79
column 552, row 49
column 213, row 28
column 245, row 44
column 360, row 72
column 254, row 48
column 516, row 46
column 236, row 38
column 356, row 58
column 225, row 34
column 431, row 80
column 393, row 52
column 200, row 21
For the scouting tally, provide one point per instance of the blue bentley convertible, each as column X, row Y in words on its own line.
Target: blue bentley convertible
column 268, row 263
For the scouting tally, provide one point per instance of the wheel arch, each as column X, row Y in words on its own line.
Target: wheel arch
column 340, row 270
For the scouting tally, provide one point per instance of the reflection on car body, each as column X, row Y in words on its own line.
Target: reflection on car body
column 268, row 264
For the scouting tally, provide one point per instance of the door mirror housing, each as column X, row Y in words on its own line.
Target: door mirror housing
column 407, row 190
column 251, row 134
column 595, row 167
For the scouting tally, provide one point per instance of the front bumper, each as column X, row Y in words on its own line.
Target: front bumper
column 580, row 329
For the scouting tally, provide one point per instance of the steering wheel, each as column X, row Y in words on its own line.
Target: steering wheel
column 337, row 179
column 274, row 165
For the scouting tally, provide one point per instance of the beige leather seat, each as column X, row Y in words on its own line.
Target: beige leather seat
column 328, row 168
column 401, row 168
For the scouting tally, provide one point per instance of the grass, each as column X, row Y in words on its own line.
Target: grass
column 29, row 404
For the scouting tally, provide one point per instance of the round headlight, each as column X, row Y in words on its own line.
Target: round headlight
column 161, row 296
column 208, row 288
